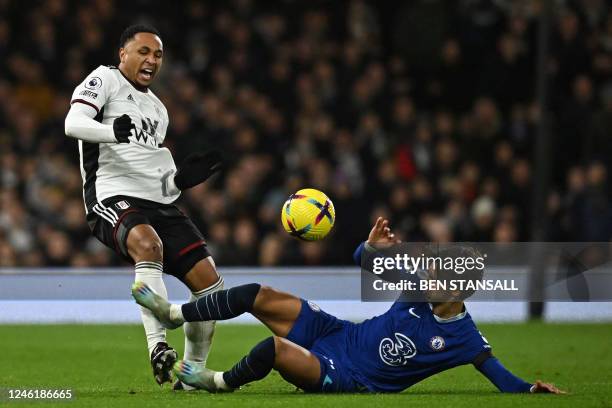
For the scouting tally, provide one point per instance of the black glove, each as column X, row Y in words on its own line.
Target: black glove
column 197, row 168
column 122, row 126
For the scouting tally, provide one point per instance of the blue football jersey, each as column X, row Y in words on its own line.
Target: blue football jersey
column 407, row 344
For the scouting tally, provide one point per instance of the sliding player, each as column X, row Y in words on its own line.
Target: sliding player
column 130, row 182
column 321, row 353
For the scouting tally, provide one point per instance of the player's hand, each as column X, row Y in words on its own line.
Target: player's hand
column 381, row 234
column 122, row 126
column 197, row 168
column 542, row 387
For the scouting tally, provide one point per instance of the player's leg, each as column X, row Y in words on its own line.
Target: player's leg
column 202, row 280
column 294, row 363
column 187, row 258
column 122, row 224
column 301, row 322
column 276, row 309
column 145, row 247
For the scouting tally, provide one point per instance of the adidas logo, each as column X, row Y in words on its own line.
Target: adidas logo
column 130, row 98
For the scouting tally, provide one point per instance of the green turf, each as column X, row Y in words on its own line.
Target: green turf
column 107, row 366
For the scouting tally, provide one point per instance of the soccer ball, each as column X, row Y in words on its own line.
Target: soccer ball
column 308, row 215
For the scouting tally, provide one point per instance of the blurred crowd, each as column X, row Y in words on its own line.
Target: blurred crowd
column 424, row 111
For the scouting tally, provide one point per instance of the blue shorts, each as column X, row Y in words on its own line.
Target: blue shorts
column 323, row 335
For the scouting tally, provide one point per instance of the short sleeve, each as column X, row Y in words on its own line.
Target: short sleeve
column 96, row 89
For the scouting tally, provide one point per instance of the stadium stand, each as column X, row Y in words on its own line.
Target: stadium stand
column 423, row 111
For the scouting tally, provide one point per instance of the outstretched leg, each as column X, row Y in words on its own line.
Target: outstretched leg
column 294, row 363
column 277, row 310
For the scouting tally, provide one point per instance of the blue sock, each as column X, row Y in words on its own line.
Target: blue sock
column 223, row 304
column 254, row 366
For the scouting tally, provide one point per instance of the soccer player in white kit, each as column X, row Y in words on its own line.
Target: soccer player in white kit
column 130, row 182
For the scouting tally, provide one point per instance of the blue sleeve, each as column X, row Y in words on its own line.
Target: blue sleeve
column 503, row 379
column 357, row 253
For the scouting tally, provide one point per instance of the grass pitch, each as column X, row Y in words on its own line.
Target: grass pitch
column 107, row 366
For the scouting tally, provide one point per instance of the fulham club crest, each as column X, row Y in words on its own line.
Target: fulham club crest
column 437, row 343
column 123, row 205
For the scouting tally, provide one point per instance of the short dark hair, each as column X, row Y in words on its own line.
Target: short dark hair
column 454, row 251
column 134, row 29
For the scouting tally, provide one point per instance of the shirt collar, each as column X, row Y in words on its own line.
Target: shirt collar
column 140, row 88
column 450, row 319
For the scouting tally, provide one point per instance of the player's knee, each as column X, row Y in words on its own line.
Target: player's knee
column 265, row 293
column 284, row 352
column 279, row 346
column 149, row 248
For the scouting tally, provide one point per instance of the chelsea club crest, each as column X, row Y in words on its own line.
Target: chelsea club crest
column 437, row 343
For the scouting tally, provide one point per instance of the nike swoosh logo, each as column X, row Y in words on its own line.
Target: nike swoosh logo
column 411, row 311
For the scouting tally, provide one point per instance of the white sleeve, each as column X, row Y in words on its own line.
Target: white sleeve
column 80, row 124
column 87, row 101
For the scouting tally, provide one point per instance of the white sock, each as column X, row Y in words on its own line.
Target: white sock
column 198, row 335
column 151, row 274
column 176, row 313
column 220, row 382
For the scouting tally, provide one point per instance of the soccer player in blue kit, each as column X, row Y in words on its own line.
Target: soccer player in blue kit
column 318, row 352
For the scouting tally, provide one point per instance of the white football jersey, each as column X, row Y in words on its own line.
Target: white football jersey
column 135, row 169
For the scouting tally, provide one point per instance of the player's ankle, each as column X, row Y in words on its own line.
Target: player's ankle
column 176, row 314
column 220, row 382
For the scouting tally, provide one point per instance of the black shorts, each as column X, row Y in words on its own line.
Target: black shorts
column 183, row 243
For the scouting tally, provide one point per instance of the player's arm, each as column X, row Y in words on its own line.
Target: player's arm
column 505, row 381
column 379, row 238
column 88, row 100
column 80, row 124
column 380, row 235
column 194, row 170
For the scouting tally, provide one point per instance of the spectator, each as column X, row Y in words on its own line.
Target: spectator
column 434, row 129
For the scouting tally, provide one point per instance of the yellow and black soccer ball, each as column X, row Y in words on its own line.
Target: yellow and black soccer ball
column 308, row 215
